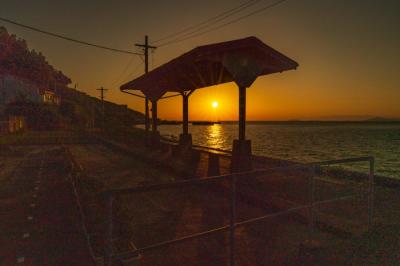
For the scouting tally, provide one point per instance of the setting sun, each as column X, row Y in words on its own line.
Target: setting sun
column 214, row 104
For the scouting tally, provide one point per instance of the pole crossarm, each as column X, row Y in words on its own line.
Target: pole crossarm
column 145, row 46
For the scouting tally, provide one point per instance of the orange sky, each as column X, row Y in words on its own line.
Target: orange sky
column 348, row 52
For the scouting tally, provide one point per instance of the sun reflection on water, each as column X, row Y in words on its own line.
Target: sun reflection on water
column 215, row 136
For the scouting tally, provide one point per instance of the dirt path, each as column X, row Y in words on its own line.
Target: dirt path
column 40, row 221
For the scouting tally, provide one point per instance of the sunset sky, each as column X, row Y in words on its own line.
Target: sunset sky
column 348, row 52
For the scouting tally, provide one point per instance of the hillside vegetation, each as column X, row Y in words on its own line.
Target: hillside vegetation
column 76, row 110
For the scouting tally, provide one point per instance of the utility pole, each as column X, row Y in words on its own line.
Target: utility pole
column 146, row 48
column 102, row 105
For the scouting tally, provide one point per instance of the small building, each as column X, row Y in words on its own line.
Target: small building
column 12, row 124
column 16, row 123
column 49, row 97
column 14, row 88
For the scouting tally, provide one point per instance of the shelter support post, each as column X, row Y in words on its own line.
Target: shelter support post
column 242, row 113
column 185, row 115
column 147, row 116
column 241, row 151
column 155, row 135
column 185, row 139
column 147, row 121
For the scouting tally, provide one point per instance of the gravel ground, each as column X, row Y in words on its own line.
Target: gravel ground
column 39, row 221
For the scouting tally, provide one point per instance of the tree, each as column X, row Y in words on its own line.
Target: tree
column 18, row 60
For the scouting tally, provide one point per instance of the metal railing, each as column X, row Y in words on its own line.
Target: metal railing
column 111, row 195
column 75, row 174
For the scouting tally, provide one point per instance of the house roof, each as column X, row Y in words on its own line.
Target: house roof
column 241, row 61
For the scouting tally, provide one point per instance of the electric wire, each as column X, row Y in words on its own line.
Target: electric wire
column 224, row 25
column 67, row 38
column 123, row 72
column 211, row 20
column 132, row 73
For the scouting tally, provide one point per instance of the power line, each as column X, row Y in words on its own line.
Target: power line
column 152, row 59
column 123, row 72
column 144, row 60
column 211, row 20
column 67, row 38
column 207, row 25
column 223, row 25
column 134, row 71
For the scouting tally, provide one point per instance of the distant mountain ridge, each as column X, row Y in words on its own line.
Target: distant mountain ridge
column 294, row 122
column 383, row 119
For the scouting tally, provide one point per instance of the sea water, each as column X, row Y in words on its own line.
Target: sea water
column 308, row 142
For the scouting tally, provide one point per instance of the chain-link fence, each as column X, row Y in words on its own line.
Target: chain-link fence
column 268, row 216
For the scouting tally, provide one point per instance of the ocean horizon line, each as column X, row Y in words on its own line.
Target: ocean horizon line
column 369, row 121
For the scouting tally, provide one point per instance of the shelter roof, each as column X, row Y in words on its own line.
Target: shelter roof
column 241, row 61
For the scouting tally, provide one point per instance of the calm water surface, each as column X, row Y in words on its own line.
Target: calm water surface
column 308, row 142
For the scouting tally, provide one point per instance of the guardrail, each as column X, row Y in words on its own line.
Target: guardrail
column 111, row 195
column 76, row 172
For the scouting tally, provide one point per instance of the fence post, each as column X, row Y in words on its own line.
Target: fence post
column 232, row 221
column 371, row 185
column 109, row 232
column 72, row 166
column 311, row 202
